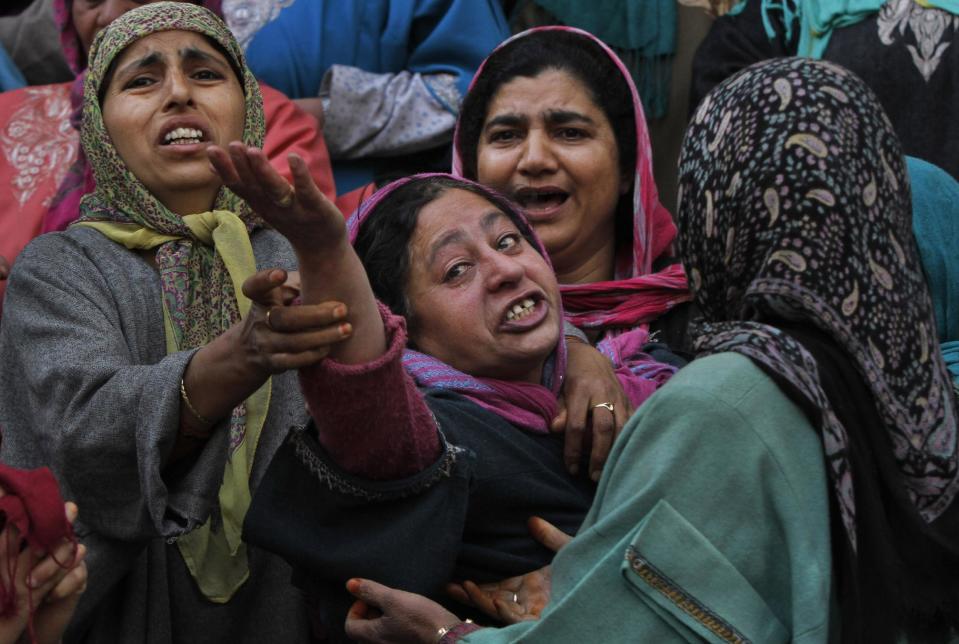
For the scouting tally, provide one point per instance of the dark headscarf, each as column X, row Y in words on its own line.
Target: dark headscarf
column 796, row 234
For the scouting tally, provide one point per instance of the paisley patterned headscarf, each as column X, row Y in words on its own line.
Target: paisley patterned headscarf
column 79, row 179
column 796, row 235
column 203, row 259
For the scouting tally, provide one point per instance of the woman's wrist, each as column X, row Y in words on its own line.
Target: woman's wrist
column 455, row 631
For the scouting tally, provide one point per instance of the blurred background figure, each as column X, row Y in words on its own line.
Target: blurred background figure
column 904, row 49
column 385, row 76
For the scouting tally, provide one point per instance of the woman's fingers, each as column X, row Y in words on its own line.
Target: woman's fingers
column 223, row 165
column 480, row 598
column 510, row 612
column 73, row 582
column 369, row 592
column 247, row 179
column 624, row 411
column 307, row 191
column 279, row 344
column 458, row 593
column 275, row 188
column 576, row 421
column 547, row 534
column 292, row 319
column 259, row 286
column 49, row 570
column 558, row 424
column 604, row 431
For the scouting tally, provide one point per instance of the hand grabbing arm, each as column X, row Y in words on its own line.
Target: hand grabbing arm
column 329, row 268
column 382, row 615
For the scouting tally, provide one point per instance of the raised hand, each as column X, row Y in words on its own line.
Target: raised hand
column 300, row 212
column 591, row 386
column 520, row 598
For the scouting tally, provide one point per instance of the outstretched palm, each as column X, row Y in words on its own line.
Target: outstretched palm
column 520, row 598
column 300, row 212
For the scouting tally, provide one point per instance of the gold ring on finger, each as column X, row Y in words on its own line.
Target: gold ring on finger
column 268, row 323
column 608, row 406
column 286, row 200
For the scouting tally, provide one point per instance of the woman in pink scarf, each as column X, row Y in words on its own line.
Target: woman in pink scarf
column 42, row 167
column 553, row 120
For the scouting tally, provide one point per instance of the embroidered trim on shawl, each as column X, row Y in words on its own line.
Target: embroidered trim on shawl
column 683, row 600
column 337, row 482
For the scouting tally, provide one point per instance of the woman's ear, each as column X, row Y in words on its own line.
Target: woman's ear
column 625, row 183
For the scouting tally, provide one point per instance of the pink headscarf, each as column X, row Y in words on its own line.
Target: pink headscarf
column 79, row 180
column 526, row 405
column 636, row 296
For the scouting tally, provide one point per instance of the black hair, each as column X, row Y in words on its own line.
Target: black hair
column 578, row 56
column 383, row 240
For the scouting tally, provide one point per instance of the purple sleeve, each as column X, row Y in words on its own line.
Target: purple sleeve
column 371, row 418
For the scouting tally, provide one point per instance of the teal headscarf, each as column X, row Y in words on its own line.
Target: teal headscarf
column 935, row 222
column 818, row 18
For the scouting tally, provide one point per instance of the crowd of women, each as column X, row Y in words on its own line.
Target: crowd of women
column 516, row 401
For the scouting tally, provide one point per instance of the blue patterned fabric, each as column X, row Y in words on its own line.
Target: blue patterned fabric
column 290, row 44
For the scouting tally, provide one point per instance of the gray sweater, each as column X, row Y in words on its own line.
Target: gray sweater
column 87, row 389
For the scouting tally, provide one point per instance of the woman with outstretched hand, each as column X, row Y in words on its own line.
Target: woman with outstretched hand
column 145, row 348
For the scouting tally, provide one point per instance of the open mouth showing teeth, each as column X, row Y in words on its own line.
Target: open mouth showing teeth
column 521, row 310
column 183, row 136
column 541, row 199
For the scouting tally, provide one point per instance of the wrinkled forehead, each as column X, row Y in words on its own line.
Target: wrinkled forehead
column 455, row 216
column 156, row 18
column 168, row 46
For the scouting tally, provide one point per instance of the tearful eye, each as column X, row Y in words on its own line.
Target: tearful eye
column 571, row 133
column 207, row 74
column 139, row 81
column 455, row 271
column 507, row 241
column 503, row 136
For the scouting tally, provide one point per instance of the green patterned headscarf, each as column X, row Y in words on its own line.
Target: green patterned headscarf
column 203, row 259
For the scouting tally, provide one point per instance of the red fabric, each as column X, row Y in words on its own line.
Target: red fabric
column 371, row 418
column 625, row 303
column 290, row 129
column 350, row 202
column 32, row 503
